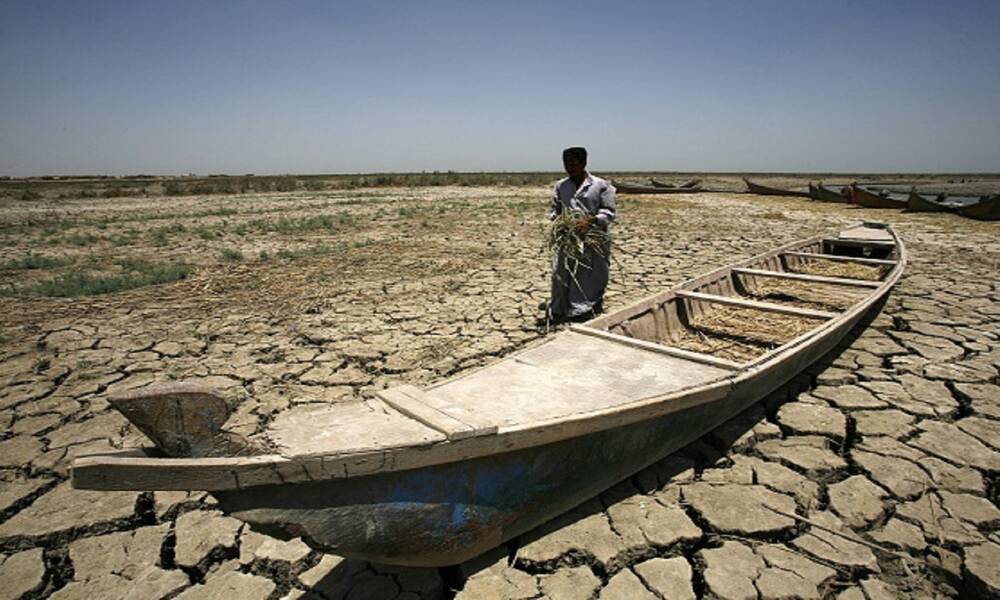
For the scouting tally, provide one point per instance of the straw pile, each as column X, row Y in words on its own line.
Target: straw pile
column 741, row 334
column 846, row 270
column 805, row 294
column 729, row 348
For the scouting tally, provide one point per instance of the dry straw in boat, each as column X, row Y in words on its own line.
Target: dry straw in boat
column 740, row 334
column 806, row 294
column 844, row 270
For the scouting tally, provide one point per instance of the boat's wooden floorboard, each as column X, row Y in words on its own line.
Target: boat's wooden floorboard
column 570, row 374
column 347, row 428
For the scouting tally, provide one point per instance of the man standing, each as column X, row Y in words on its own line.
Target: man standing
column 578, row 285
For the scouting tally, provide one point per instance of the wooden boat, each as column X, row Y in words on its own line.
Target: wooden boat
column 687, row 185
column 629, row 188
column 763, row 190
column 917, row 203
column 823, row 194
column 863, row 197
column 987, row 209
column 438, row 475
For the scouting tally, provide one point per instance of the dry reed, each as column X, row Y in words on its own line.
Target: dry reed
column 575, row 235
column 806, row 295
column 846, row 270
column 740, row 334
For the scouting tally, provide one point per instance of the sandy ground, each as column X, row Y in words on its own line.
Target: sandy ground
column 893, row 440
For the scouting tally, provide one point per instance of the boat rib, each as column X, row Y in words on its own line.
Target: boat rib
column 436, row 476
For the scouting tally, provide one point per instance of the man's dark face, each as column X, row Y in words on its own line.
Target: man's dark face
column 574, row 168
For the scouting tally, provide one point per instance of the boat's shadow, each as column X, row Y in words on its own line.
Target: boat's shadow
column 711, row 450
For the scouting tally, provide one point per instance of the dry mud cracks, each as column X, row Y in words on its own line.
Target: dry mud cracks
column 873, row 475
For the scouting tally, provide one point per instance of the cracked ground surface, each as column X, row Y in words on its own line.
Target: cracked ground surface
column 872, row 475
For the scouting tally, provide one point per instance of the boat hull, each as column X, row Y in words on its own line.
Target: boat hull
column 818, row 192
column 763, row 190
column 863, row 197
column 987, row 209
column 917, row 203
column 449, row 513
column 625, row 188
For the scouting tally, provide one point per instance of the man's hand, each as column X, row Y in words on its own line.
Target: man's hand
column 583, row 224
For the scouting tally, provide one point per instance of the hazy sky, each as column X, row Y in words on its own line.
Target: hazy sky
column 334, row 87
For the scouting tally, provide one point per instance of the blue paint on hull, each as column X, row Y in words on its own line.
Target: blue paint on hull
column 446, row 514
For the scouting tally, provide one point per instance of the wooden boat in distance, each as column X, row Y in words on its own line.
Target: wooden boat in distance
column 917, row 203
column 863, row 197
column 987, row 209
column 629, row 188
column 823, row 194
column 687, row 185
column 438, row 475
column 763, row 190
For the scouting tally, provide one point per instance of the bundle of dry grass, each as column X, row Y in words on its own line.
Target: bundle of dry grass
column 576, row 234
column 846, row 270
column 740, row 334
column 721, row 347
column 767, row 328
column 806, row 295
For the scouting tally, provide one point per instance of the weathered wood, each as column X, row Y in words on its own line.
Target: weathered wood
column 867, row 233
column 659, row 349
column 123, row 470
column 346, row 428
column 810, row 278
column 411, row 401
column 183, row 418
column 571, row 373
column 757, row 305
column 617, row 318
column 838, row 258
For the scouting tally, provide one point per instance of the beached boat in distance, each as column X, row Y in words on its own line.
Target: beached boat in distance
column 436, row 476
column 763, row 190
column 917, row 203
column 629, row 188
column 987, row 209
column 823, row 194
column 863, row 197
column 687, row 185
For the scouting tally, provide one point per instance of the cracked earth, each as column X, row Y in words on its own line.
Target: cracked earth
column 872, row 475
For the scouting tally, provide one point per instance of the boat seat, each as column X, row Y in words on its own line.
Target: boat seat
column 412, row 401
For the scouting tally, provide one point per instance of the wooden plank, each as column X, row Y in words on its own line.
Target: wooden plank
column 409, row 400
column 859, row 242
column 572, row 373
column 810, row 278
column 757, row 305
column 668, row 350
column 837, row 258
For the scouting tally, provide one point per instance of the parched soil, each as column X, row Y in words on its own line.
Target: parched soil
column 873, row 473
